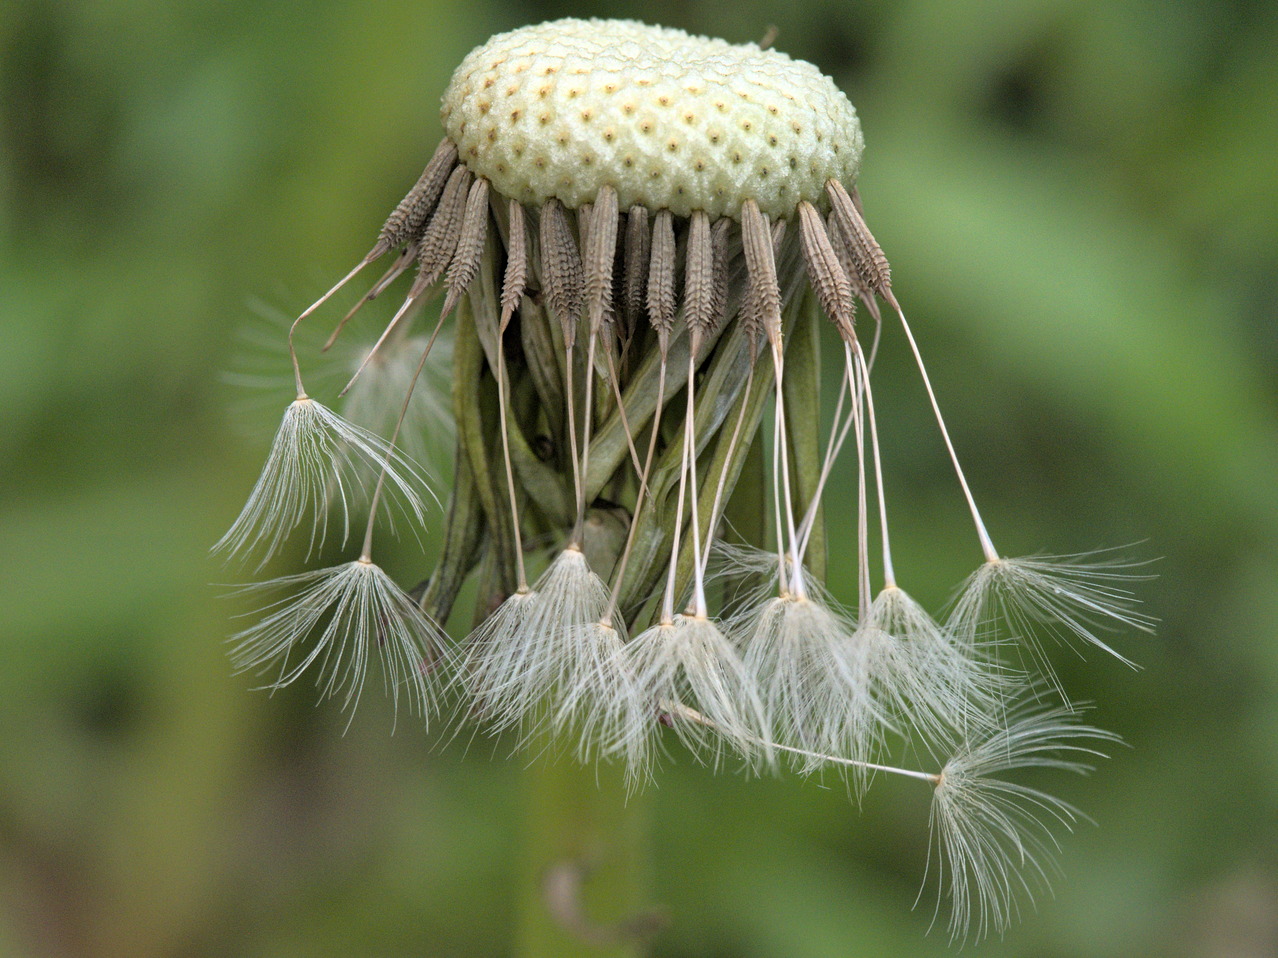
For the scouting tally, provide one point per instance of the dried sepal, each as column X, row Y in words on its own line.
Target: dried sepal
column 599, row 249
column 825, row 272
column 638, row 246
column 662, row 302
column 439, row 241
column 515, row 276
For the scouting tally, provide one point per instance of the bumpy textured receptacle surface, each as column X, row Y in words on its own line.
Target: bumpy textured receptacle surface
column 666, row 119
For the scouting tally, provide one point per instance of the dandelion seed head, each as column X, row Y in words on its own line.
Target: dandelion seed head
column 669, row 120
column 681, row 194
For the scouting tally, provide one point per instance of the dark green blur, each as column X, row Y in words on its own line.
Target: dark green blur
column 1080, row 203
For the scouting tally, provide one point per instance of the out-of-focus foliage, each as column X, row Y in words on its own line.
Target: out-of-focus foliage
column 1080, row 201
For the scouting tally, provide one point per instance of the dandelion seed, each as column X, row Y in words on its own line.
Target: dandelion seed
column 927, row 677
column 347, row 615
column 428, row 434
column 1065, row 598
column 514, row 667
column 993, row 840
column 691, row 662
column 797, row 651
column 317, row 459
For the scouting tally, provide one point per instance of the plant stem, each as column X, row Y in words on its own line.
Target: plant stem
column 585, row 875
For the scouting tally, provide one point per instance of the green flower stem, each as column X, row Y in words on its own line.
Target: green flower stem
column 584, row 881
column 463, row 544
column 474, row 404
column 543, row 366
column 802, row 389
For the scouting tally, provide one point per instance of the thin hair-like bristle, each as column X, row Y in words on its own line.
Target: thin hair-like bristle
column 864, row 251
column 634, row 289
column 515, row 278
column 561, row 268
column 470, row 245
column 993, row 840
column 410, row 216
column 316, row 465
column 349, row 614
column 435, row 251
column 600, row 249
column 401, row 263
column 825, row 272
column 698, row 276
column 662, row 303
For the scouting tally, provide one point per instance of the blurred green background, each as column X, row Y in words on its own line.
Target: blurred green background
column 1080, row 201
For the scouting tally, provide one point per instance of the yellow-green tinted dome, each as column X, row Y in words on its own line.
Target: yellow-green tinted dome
column 668, row 120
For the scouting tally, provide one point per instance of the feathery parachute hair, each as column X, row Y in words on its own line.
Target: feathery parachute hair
column 635, row 232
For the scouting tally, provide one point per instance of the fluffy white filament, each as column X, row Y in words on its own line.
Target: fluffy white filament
column 1062, row 597
column 317, row 460
column 690, row 661
column 334, row 621
column 798, row 652
column 993, row 839
column 375, row 400
column 931, row 681
column 538, row 662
